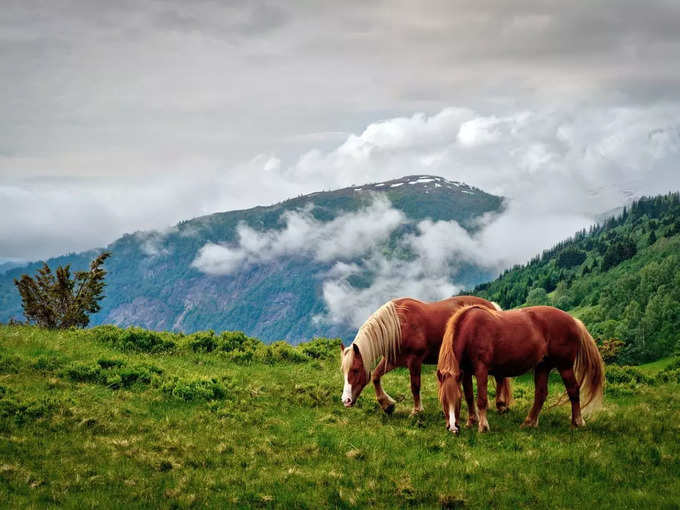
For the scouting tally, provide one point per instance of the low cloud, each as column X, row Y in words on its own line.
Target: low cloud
column 348, row 236
column 353, row 244
column 153, row 243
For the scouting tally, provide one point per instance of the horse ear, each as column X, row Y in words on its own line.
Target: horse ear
column 342, row 348
column 356, row 350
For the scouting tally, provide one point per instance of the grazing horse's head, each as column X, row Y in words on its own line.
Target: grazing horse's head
column 450, row 397
column 355, row 372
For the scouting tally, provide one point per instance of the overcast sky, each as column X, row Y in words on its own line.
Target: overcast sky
column 121, row 116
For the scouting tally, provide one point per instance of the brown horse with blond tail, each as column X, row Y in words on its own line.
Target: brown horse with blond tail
column 481, row 341
column 404, row 333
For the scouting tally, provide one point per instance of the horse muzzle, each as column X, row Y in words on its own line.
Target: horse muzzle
column 348, row 402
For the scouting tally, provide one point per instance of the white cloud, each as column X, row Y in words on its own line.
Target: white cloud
column 348, row 236
column 479, row 131
column 392, row 279
column 440, row 249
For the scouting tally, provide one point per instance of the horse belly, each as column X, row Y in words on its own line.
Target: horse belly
column 516, row 358
column 431, row 358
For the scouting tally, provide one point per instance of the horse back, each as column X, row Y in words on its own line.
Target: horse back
column 423, row 323
column 512, row 342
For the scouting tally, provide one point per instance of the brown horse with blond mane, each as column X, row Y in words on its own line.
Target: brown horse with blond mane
column 481, row 341
column 404, row 333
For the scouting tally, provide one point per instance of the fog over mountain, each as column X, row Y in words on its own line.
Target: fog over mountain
column 126, row 116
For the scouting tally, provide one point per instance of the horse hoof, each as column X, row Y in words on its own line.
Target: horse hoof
column 529, row 424
column 503, row 409
column 483, row 429
column 470, row 424
column 389, row 409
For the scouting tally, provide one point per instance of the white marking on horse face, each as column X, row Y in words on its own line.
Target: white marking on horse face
column 452, row 420
column 347, row 391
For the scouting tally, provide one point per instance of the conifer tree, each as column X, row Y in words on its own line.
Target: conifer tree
column 58, row 300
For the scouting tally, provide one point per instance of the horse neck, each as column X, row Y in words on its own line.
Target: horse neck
column 374, row 346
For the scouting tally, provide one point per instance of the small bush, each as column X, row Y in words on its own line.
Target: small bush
column 48, row 363
column 113, row 373
column 281, row 351
column 240, row 357
column 83, row 372
column 197, row 389
column 110, row 363
column 9, row 364
column 131, row 375
column 609, row 349
column 133, row 339
column 204, row 341
column 237, row 341
column 24, row 412
column 669, row 376
column 321, row 348
column 627, row 375
column 620, row 390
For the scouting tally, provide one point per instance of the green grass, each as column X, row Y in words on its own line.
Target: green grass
column 277, row 436
column 656, row 366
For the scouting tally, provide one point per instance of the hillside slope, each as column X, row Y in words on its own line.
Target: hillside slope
column 152, row 282
column 622, row 278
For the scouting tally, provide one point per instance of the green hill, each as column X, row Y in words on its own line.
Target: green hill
column 622, row 278
column 152, row 282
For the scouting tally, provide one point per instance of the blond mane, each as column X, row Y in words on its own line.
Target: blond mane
column 379, row 336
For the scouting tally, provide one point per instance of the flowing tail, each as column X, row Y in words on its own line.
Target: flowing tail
column 589, row 369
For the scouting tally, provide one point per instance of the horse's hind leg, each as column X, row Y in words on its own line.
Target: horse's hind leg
column 502, row 397
column 386, row 402
column 414, row 368
column 469, row 399
column 573, row 391
column 541, row 373
column 482, row 398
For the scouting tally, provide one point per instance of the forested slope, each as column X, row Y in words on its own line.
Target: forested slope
column 622, row 278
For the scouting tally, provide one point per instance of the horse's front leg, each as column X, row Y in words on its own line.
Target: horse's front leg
column 482, row 375
column 469, row 399
column 414, row 366
column 386, row 402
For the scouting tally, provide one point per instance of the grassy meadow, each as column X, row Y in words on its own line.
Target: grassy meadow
column 97, row 419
